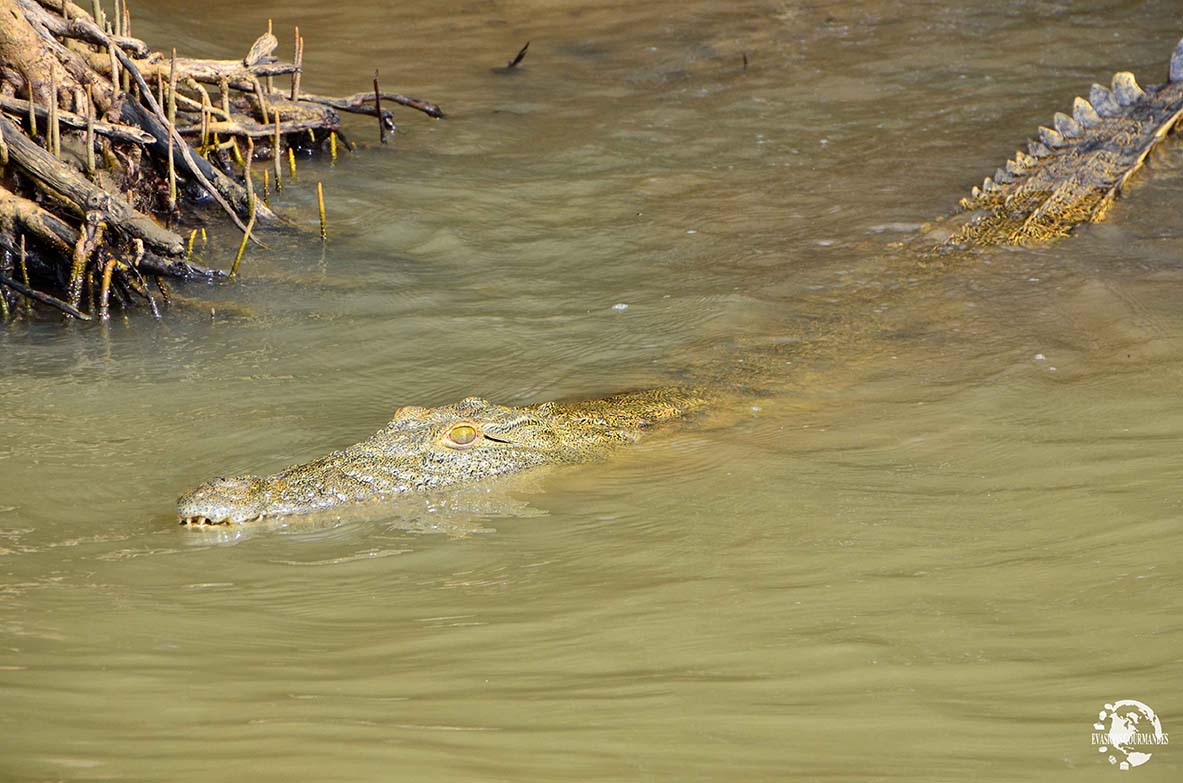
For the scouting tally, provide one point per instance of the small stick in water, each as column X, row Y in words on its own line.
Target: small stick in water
column 24, row 267
column 275, row 153
column 25, row 272
column 267, row 187
column 189, row 250
column 378, row 109
column 513, row 64
column 292, row 160
column 333, row 146
column 246, row 235
column 521, row 55
column 163, row 288
column 105, row 290
column 320, row 200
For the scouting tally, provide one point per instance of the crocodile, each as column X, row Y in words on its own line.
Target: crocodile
column 1069, row 176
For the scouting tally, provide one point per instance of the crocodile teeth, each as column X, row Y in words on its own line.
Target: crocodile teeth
column 1103, row 101
column 1084, row 113
column 1050, row 137
column 199, row 520
column 1177, row 63
column 1038, row 149
column 1126, row 88
column 1066, row 126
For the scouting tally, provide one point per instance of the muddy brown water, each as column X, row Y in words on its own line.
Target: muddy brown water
column 933, row 555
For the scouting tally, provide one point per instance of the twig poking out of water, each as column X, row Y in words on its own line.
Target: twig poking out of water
column 521, row 55
column 378, row 108
column 105, row 290
column 250, row 224
column 320, row 200
column 745, row 61
column 275, row 153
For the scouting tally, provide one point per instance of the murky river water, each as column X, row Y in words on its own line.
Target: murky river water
column 934, row 555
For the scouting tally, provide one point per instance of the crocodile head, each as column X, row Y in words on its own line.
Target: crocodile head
column 427, row 448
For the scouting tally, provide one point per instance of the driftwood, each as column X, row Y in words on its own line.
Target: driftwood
column 106, row 145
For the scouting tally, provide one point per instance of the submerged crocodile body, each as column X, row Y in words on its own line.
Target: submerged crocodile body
column 1069, row 176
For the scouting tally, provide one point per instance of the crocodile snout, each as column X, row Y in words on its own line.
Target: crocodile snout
column 226, row 500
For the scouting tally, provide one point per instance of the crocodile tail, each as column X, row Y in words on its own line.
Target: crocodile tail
column 1075, row 169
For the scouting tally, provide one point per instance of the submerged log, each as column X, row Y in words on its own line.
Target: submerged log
column 105, row 145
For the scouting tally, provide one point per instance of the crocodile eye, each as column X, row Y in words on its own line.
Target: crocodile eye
column 462, row 436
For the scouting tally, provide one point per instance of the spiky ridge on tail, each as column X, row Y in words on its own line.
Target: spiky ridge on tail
column 1075, row 170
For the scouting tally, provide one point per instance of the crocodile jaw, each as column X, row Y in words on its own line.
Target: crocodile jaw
column 224, row 501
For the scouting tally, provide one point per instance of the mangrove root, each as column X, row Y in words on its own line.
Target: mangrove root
column 108, row 148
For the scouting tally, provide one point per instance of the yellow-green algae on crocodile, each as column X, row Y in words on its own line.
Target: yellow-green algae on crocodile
column 1070, row 175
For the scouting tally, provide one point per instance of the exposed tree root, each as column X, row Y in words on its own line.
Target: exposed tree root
column 105, row 145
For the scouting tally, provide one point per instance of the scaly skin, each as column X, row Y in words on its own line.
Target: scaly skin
column 1074, row 171
column 1069, row 177
column 428, row 448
